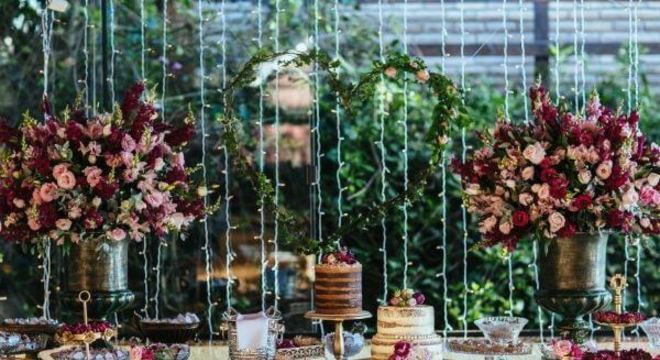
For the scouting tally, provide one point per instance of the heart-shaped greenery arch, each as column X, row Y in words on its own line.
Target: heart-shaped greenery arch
column 448, row 111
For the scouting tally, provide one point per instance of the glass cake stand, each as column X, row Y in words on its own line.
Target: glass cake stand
column 338, row 319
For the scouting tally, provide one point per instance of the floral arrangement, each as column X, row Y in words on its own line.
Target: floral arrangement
column 407, row 297
column 159, row 351
column 562, row 349
column 339, row 257
column 563, row 173
column 82, row 328
column 404, row 350
column 612, row 317
column 111, row 176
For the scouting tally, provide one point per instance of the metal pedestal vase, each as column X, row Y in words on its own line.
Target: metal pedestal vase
column 100, row 267
column 572, row 278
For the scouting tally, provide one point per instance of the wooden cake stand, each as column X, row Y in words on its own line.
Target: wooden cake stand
column 338, row 319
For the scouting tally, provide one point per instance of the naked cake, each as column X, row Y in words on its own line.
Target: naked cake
column 338, row 284
column 406, row 319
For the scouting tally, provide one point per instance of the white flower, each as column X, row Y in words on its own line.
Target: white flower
column 653, row 179
column 528, row 173
column 525, row 199
column 630, row 197
column 556, row 221
column 534, row 153
column 505, row 227
column 584, row 176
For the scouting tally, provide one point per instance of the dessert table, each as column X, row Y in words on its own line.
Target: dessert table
column 220, row 351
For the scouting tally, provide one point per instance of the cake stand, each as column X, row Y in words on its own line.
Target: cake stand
column 338, row 319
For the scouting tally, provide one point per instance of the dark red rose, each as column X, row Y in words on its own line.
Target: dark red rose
column 74, row 132
column 545, row 163
column 420, row 299
column 93, row 220
column 180, row 135
column 42, row 165
column 520, row 218
column 581, row 201
column 106, row 190
column 193, row 208
column 548, row 173
column 47, row 215
column 78, row 115
column 586, row 138
column 633, row 119
column 402, row 348
column 618, row 219
column 175, row 175
column 568, row 230
column 617, row 179
column 132, row 98
column 558, row 188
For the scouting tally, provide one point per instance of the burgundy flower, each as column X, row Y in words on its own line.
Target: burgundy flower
column 93, row 220
column 617, row 179
column 41, row 164
column 106, row 190
column 402, row 348
column 47, row 215
column 549, row 173
column 568, row 230
column 420, row 299
column 193, row 208
column 180, row 135
column 586, row 138
column 615, row 218
column 520, row 218
column 132, row 98
column 286, row 344
column 581, row 202
column 558, row 187
column 175, row 175
column 74, row 132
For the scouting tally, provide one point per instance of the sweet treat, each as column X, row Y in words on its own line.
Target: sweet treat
column 338, row 285
column 187, row 318
column 406, row 319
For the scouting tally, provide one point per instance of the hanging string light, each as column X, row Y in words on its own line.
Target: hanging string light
column 113, row 51
column 93, row 68
column 86, row 55
column 576, row 58
column 404, row 122
column 276, row 262
column 523, row 58
column 466, row 290
column 583, row 44
column 316, row 130
column 262, row 214
column 638, row 243
column 227, row 193
column 557, row 51
column 340, row 138
column 142, row 41
column 164, row 60
column 505, row 64
column 145, row 242
column 443, row 194
column 202, row 121
column 381, row 145
column 47, row 18
column 159, row 256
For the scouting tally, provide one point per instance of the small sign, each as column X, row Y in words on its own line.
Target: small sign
column 58, row 5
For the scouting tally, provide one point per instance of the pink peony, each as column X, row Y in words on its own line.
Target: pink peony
column 48, row 192
column 116, row 234
column 556, row 221
column 535, row 153
column 154, row 199
column 66, row 180
column 423, row 76
column 562, row 347
column 649, row 196
column 59, row 169
column 63, row 224
column 93, row 175
column 604, row 170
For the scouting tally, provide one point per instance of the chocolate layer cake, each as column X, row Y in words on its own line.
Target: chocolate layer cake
column 338, row 288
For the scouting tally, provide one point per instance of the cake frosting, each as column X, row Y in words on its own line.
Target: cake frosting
column 414, row 324
column 338, row 288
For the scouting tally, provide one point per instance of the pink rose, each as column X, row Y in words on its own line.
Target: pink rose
column 390, row 72
column 528, row 173
column 136, row 353
column 48, row 192
column 127, row 143
column 556, row 221
column 649, row 196
column 525, row 199
column 562, row 347
column 505, row 227
column 534, row 153
column 74, row 212
column 604, row 170
column 33, row 224
column 653, row 179
column 584, row 176
column 487, row 225
column 59, row 169
column 19, row 203
column 423, row 76
column 154, row 198
column 66, row 180
column 93, row 175
column 544, row 192
column 116, row 234
column 630, row 197
column 63, row 224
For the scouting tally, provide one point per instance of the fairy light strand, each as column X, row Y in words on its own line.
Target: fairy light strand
column 86, row 54
column 276, row 228
column 202, row 120
column 227, row 193
column 557, row 45
column 629, row 93
column 113, row 51
column 262, row 211
column 93, row 69
column 145, row 242
column 576, row 58
column 636, row 47
column 404, row 122
column 583, row 44
column 317, row 128
column 164, row 59
column 443, row 194
column 159, row 256
column 463, row 158
column 534, row 265
column 381, row 145
column 142, row 41
column 523, row 59
column 340, row 162
column 505, row 63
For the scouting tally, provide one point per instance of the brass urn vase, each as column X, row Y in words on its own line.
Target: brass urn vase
column 100, row 267
column 572, row 277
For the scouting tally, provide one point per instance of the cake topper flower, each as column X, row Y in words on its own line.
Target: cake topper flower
column 404, row 350
column 342, row 256
column 407, row 297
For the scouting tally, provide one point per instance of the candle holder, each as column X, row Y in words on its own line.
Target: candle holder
column 618, row 283
column 338, row 319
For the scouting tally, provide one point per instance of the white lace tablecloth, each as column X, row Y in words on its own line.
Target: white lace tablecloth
column 221, row 352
